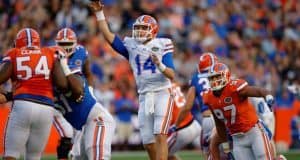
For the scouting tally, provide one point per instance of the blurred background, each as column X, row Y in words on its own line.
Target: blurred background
column 258, row 39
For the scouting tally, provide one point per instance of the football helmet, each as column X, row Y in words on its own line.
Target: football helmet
column 144, row 28
column 27, row 37
column 218, row 76
column 66, row 38
column 206, row 60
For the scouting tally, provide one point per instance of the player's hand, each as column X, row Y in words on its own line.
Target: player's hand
column 2, row 98
column 96, row 5
column 172, row 129
column 155, row 59
column 60, row 54
column 270, row 100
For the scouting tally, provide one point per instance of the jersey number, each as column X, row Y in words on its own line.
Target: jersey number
column 40, row 69
column 205, row 84
column 220, row 115
column 148, row 65
column 179, row 97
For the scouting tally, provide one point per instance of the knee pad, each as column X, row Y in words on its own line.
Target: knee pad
column 64, row 148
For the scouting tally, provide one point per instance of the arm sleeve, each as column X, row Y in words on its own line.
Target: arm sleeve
column 8, row 56
column 167, row 60
column 118, row 46
column 203, row 103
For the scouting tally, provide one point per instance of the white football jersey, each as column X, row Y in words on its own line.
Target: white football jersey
column 147, row 76
column 261, row 106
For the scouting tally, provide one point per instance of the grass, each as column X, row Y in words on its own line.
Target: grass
column 185, row 155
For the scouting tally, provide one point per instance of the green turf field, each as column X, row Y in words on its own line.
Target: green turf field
column 185, row 155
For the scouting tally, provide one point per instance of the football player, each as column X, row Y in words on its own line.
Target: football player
column 33, row 70
column 200, row 84
column 268, row 120
column 228, row 101
column 182, row 132
column 152, row 64
column 88, row 116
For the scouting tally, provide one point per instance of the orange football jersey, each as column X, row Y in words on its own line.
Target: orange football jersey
column 32, row 73
column 179, row 102
column 238, row 114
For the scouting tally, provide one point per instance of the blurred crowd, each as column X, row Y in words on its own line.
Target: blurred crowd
column 258, row 39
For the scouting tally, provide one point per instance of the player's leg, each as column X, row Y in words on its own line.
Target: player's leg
column 17, row 130
column 183, row 137
column 98, row 132
column 261, row 145
column 146, row 125
column 75, row 151
column 42, row 119
column 242, row 147
column 65, row 131
column 208, row 124
column 78, row 150
column 163, row 102
column 269, row 124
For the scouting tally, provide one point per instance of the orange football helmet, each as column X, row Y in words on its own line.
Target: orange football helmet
column 144, row 28
column 218, row 76
column 206, row 60
column 27, row 37
column 66, row 38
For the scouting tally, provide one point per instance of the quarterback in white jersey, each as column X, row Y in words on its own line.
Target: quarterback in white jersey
column 151, row 61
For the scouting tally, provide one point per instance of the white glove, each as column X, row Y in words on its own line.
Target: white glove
column 270, row 100
column 62, row 57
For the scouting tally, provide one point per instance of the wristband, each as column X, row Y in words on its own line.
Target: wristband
column 100, row 15
column 162, row 67
column 65, row 67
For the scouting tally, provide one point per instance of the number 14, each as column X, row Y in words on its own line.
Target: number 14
column 148, row 65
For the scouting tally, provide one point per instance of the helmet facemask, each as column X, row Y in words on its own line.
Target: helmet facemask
column 142, row 32
column 68, row 46
column 218, row 81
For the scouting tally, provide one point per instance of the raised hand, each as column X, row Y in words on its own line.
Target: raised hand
column 96, row 5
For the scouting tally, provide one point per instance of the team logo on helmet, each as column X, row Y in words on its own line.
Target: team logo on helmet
column 66, row 38
column 27, row 37
column 144, row 28
column 218, row 76
column 206, row 60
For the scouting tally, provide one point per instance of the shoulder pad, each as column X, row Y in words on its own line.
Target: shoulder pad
column 237, row 84
column 82, row 49
column 167, row 45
